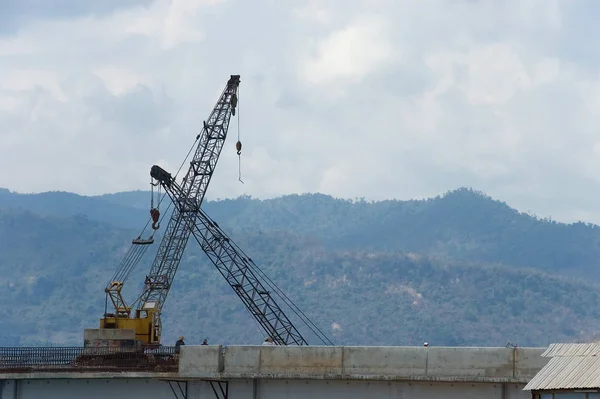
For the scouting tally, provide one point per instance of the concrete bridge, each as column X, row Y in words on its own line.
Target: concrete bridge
column 315, row 372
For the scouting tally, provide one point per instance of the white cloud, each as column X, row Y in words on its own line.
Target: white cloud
column 31, row 79
column 314, row 11
column 349, row 54
column 373, row 99
column 120, row 80
column 496, row 73
column 171, row 22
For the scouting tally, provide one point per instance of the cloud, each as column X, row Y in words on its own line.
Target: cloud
column 17, row 14
column 375, row 99
column 349, row 54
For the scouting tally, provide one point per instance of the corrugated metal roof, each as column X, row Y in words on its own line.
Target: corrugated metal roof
column 576, row 372
column 555, row 350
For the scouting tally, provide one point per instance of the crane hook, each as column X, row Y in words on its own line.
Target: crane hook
column 155, row 214
column 238, row 147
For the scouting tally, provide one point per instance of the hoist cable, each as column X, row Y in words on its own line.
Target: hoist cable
column 135, row 252
column 239, row 143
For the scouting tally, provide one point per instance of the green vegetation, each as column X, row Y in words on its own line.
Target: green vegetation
column 459, row 269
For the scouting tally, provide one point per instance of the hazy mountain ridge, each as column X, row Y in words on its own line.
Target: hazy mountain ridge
column 457, row 269
column 60, row 203
column 462, row 224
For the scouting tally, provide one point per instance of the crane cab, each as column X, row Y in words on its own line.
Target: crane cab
column 143, row 321
column 142, row 324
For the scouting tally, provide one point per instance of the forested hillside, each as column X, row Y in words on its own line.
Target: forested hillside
column 459, row 269
column 463, row 224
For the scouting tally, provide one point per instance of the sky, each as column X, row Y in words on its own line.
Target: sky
column 374, row 99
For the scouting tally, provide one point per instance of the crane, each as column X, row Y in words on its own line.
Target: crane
column 145, row 319
column 252, row 286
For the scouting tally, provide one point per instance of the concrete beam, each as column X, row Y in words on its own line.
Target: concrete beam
column 356, row 363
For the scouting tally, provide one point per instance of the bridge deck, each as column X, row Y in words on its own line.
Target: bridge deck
column 452, row 364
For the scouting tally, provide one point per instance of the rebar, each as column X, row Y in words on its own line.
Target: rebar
column 86, row 359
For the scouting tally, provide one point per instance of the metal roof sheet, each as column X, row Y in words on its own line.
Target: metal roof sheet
column 554, row 350
column 575, row 372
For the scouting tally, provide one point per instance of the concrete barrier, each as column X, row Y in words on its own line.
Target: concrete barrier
column 384, row 361
column 470, row 362
column 200, row 360
column 351, row 363
column 453, row 364
column 311, row 361
column 242, row 360
column 90, row 334
column 528, row 362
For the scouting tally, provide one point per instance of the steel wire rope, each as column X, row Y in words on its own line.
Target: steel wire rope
column 238, row 138
column 136, row 251
column 295, row 309
column 165, row 213
column 321, row 335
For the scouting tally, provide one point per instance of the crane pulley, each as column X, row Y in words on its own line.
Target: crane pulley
column 154, row 212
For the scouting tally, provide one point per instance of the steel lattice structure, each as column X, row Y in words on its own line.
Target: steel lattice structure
column 234, row 265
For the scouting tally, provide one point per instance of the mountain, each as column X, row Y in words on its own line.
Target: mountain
column 457, row 269
column 58, row 203
column 463, row 224
column 47, row 268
